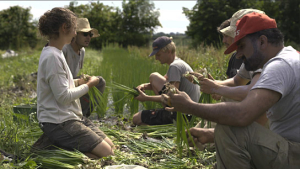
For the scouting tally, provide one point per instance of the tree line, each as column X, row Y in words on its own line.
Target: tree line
column 207, row 15
column 134, row 25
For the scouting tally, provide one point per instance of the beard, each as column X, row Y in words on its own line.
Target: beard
column 255, row 61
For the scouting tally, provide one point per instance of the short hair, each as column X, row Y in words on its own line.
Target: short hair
column 223, row 25
column 170, row 47
column 51, row 21
column 274, row 35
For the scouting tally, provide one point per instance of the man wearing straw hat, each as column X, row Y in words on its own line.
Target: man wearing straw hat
column 227, row 38
column 74, row 54
column 242, row 77
column 240, row 141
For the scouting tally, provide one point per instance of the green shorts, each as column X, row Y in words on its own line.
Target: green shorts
column 80, row 135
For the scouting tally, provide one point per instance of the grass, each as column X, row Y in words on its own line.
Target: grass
column 152, row 147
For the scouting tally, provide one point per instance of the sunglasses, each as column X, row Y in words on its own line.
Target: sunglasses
column 85, row 34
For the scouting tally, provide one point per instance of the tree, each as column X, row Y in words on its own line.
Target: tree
column 16, row 30
column 207, row 15
column 101, row 17
column 289, row 20
column 139, row 19
column 132, row 26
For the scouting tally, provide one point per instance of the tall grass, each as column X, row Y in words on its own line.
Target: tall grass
column 128, row 67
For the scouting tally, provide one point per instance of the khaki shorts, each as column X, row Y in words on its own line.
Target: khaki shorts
column 80, row 135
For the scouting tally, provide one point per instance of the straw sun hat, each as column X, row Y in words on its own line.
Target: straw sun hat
column 83, row 25
column 230, row 30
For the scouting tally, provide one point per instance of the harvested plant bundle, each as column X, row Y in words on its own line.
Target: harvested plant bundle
column 96, row 99
column 122, row 88
column 204, row 98
column 182, row 125
column 157, row 131
column 129, row 95
column 60, row 158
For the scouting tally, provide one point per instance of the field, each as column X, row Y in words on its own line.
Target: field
column 151, row 147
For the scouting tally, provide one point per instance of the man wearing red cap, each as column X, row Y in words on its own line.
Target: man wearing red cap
column 241, row 142
column 232, row 89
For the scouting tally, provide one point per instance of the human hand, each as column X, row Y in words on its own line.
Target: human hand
column 142, row 87
column 210, row 76
column 201, row 135
column 199, row 76
column 166, row 77
column 208, row 86
column 85, row 77
column 142, row 96
column 192, row 75
column 92, row 81
column 81, row 81
column 216, row 97
column 179, row 100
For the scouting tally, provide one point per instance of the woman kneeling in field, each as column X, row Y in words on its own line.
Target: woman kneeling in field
column 59, row 110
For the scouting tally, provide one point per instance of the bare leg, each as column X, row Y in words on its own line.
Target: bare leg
column 109, row 142
column 92, row 156
column 157, row 82
column 137, row 119
column 103, row 149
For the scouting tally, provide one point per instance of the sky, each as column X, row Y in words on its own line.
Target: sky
column 171, row 17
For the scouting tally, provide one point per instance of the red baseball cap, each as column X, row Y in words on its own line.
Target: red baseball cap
column 248, row 24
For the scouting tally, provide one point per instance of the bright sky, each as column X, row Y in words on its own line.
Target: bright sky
column 171, row 16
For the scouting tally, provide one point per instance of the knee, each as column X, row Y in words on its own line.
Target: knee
column 136, row 119
column 237, row 135
column 153, row 76
column 220, row 132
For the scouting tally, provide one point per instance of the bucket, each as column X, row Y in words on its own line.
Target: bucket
column 25, row 111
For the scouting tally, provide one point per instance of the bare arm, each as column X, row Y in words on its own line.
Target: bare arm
column 257, row 102
column 144, row 97
column 176, row 84
column 237, row 93
column 155, row 98
column 145, row 86
column 235, row 81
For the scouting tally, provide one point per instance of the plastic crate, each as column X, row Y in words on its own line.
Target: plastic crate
column 21, row 110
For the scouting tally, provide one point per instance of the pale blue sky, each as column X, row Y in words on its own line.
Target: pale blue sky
column 171, row 16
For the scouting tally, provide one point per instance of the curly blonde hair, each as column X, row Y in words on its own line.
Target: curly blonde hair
column 170, row 47
column 52, row 20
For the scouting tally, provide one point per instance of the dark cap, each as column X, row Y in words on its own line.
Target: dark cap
column 160, row 43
